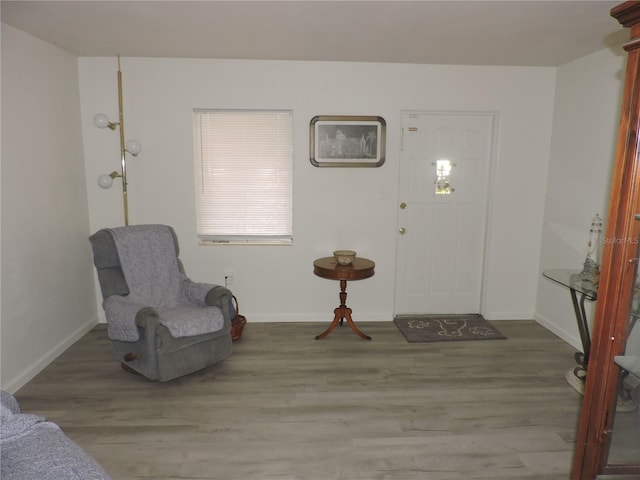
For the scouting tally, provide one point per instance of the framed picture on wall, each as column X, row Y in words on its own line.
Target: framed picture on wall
column 347, row 141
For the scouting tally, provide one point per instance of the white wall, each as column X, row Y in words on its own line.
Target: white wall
column 585, row 125
column 48, row 296
column 333, row 208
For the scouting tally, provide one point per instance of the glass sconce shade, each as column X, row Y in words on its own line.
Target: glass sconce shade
column 133, row 147
column 105, row 181
column 100, row 120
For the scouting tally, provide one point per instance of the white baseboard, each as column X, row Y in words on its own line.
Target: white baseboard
column 507, row 316
column 571, row 339
column 37, row 366
column 326, row 317
column 358, row 317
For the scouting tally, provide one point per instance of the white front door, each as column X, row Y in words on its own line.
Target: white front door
column 444, row 175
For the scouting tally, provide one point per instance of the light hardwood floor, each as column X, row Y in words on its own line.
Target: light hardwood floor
column 286, row 406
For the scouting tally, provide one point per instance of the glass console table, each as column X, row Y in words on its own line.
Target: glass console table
column 624, row 436
column 587, row 291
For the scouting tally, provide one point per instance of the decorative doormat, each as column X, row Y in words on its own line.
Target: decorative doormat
column 446, row 328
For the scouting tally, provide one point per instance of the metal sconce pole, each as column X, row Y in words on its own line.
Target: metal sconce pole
column 123, row 158
column 132, row 146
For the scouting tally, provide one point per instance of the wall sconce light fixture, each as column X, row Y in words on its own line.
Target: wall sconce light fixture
column 132, row 147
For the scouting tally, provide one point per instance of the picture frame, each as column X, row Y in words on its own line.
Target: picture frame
column 347, row 141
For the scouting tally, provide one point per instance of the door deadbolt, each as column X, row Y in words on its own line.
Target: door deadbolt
column 403, row 205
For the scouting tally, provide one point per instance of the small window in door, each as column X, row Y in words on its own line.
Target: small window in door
column 443, row 177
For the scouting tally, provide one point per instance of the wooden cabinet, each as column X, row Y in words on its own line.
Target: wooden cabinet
column 613, row 316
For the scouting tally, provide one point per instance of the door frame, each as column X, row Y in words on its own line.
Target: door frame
column 489, row 207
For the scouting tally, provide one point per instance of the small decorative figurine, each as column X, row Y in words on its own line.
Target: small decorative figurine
column 591, row 269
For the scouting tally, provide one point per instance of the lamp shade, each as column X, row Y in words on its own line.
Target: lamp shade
column 105, row 181
column 133, row 147
column 100, row 120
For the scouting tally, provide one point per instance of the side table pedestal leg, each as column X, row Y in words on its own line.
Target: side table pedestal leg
column 336, row 320
column 342, row 313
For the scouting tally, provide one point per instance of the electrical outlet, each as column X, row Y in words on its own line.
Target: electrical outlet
column 229, row 278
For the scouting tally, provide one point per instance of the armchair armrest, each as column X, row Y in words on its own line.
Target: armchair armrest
column 218, row 296
column 123, row 316
column 222, row 298
column 148, row 318
column 207, row 294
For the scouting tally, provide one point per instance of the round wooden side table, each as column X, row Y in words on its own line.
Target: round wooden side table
column 328, row 267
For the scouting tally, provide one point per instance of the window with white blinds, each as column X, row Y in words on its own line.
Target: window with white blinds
column 244, row 177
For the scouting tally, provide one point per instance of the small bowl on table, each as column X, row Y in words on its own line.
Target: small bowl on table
column 344, row 257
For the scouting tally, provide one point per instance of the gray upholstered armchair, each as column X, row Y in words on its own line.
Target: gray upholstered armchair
column 162, row 325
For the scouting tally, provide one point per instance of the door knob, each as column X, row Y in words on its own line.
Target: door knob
column 402, row 231
column 403, row 205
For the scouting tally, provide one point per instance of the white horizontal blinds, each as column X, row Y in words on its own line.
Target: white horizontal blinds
column 244, row 163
